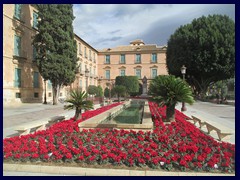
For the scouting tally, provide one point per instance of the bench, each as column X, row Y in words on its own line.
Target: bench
column 222, row 131
column 200, row 121
column 26, row 128
column 56, row 119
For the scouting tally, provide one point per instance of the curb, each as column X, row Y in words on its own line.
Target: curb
column 78, row 171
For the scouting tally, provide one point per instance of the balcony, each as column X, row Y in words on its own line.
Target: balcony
column 92, row 75
column 81, row 72
column 138, row 62
column 153, row 61
column 95, row 76
column 17, row 84
column 22, row 57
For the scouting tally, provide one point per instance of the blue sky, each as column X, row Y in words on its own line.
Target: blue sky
column 111, row 25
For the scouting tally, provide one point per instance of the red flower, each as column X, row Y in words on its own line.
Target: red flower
column 92, row 158
column 183, row 162
column 81, row 158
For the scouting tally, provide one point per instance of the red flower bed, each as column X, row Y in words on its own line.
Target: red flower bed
column 180, row 145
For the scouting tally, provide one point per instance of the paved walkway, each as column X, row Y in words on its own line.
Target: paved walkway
column 224, row 114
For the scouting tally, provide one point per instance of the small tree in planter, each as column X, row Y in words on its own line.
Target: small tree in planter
column 92, row 90
column 78, row 101
column 119, row 90
column 169, row 90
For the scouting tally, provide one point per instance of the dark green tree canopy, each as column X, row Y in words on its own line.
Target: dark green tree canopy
column 99, row 91
column 106, row 92
column 92, row 90
column 56, row 49
column 206, row 47
column 119, row 90
column 130, row 82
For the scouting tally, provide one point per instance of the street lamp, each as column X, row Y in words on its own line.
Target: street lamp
column 183, row 71
column 45, row 92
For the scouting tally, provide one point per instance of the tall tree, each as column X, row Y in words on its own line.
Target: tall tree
column 56, row 49
column 207, row 48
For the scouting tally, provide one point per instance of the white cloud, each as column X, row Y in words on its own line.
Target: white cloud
column 109, row 25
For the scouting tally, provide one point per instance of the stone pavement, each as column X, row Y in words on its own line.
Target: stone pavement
column 13, row 116
column 224, row 114
column 220, row 113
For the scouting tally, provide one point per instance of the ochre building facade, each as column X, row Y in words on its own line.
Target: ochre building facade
column 136, row 59
column 22, row 82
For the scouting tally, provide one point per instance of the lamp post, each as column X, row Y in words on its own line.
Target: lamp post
column 87, row 75
column 183, row 71
column 45, row 92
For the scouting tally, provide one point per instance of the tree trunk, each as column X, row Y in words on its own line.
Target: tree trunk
column 170, row 113
column 118, row 98
column 78, row 114
column 55, row 94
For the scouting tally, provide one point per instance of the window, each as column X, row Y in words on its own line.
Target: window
column 122, row 72
column 60, row 94
column 122, row 59
column 49, row 94
column 85, row 52
column 107, row 59
column 154, row 57
column 35, row 20
column 80, row 67
column 35, row 80
column 17, row 45
column 138, row 73
column 18, row 95
column 49, row 84
column 17, row 82
column 80, row 83
column 79, row 48
column 36, row 95
column 138, row 58
column 34, row 53
column 17, row 11
column 90, row 70
column 107, row 74
column 154, row 73
column 90, row 54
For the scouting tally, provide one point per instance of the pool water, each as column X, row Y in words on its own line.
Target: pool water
column 130, row 115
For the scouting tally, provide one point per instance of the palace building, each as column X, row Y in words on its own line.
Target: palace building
column 22, row 82
column 137, row 59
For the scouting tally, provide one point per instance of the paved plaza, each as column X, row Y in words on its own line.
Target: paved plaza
column 13, row 116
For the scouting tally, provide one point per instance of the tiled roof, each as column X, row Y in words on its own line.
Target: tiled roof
column 137, row 41
column 130, row 48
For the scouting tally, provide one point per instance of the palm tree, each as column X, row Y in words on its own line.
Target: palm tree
column 79, row 102
column 169, row 90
